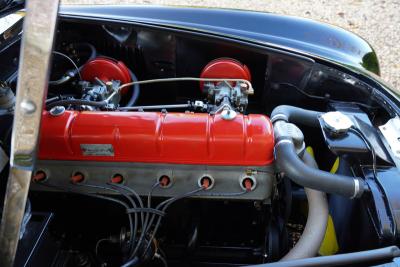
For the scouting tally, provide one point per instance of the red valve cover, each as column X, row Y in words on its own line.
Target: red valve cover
column 153, row 137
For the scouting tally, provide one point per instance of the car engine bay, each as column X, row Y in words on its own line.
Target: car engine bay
column 161, row 147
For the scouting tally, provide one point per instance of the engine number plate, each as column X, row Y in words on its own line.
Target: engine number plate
column 97, row 150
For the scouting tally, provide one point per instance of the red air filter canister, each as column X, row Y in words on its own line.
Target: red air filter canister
column 225, row 68
column 106, row 69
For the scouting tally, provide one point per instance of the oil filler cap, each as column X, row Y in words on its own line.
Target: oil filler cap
column 336, row 122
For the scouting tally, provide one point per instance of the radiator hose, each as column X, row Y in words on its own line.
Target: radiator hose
column 296, row 115
column 289, row 142
column 317, row 219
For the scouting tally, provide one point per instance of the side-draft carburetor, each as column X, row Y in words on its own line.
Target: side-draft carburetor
column 227, row 96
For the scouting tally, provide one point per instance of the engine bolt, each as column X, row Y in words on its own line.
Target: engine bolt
column 57, row 111
column 109, row 85
column 228, row 114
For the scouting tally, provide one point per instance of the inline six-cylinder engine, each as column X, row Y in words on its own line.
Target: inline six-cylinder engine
column 210, row 142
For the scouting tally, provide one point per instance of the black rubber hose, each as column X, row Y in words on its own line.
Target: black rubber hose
column 77, row 102
column 93, row 54
column 135, row 92
column 289, row 162
column 347, row 259
column 73, row 72
column 296, row 115
column 296, row 170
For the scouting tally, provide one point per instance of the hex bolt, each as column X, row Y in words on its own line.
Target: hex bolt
column 109, row 85
column 228, row 114
column 57, row 111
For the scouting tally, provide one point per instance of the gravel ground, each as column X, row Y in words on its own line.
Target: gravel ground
column 376, row 21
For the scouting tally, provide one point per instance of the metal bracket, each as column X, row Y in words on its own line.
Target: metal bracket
column 391, row 132
column 36, row 47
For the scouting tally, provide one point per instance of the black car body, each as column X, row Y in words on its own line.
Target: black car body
column 300, row 70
